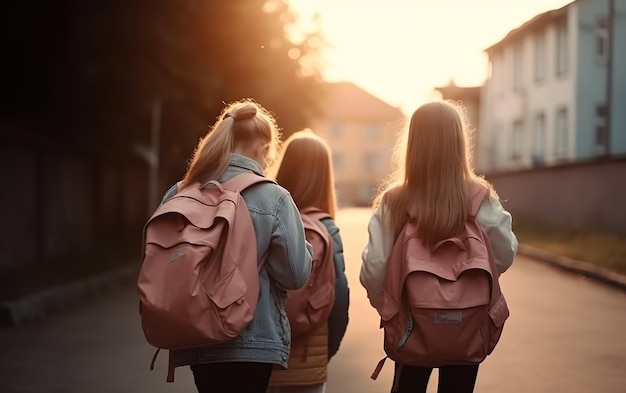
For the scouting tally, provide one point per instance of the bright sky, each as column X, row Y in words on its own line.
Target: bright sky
column 400, row 50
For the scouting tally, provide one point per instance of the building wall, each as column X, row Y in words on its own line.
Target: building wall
column 618, row 118
column 574, row 189
column 583, row 195
column 591, row 78
column 361, row 130
column 575, row 92
column 362, row 152
column 546, row 96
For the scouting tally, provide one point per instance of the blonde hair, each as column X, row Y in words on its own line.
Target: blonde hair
column 306, row 171
column 431, row 184
column 240, row 122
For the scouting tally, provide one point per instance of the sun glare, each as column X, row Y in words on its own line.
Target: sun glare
column 400, row 50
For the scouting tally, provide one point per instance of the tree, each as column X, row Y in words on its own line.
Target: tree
column 87, row 73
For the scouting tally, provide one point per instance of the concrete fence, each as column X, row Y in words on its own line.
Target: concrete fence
column 579, row 195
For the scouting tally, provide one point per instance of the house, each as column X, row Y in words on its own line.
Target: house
column 556, row 89
column 361, row 130
column 469, row 98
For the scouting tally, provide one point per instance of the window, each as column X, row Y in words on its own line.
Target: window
column 602, row 41
column 366, row 194
column 371, row 131
column 495, row 146
column 336, row 130
column 560, row 145
column 602, row 131
column 540, row 55
column 371, row 162
column 539, row 139
column 518, row 75
column 497, row 69
column 561, row 48
column 517, row 140
column 338, row 161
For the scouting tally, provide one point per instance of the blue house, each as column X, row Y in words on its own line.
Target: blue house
column 556, row 89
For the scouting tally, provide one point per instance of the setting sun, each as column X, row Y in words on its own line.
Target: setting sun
column 400, row 50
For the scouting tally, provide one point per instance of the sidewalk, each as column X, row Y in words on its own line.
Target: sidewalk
column 40, row 304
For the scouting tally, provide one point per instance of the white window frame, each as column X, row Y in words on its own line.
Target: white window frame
column 493, row 147
column 518, row 67
column 561, row 133
column 561, row 48
column 338, row 160
column 517, row 138
column 601, row 44
column 601, row 147
column 539, row 139
column 372, row 131
column 540, row 55
column 336, row 130
column 371, row 161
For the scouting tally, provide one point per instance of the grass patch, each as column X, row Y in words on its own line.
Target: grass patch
column 599, row 248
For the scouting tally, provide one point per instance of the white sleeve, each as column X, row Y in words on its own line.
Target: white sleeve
column 496, row 222
column 374, row 256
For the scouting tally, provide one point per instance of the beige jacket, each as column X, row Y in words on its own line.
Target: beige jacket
column 308, row 361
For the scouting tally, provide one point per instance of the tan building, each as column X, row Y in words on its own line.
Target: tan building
column 361, row 129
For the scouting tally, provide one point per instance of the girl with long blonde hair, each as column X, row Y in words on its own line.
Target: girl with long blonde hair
column 432, row 187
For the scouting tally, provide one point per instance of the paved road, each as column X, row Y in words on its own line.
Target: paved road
column 566, row 334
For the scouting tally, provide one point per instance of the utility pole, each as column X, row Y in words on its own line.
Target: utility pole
column 154, row 156
column 609, row 75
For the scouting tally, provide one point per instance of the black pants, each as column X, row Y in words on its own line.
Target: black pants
column 235, row 377
column 452, row 379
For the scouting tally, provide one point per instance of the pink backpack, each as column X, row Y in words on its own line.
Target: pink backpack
column 198, row 282
column 445, row 306
column 309, row 307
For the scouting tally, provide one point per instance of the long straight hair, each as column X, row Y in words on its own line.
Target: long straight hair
column 431, row 184
column 243, row 122
column 306, row 171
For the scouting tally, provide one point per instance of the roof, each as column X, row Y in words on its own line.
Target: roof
column 345, row 100
column 455, row 92
column 532, row 25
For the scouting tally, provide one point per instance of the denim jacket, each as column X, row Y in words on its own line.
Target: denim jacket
column 279, row 231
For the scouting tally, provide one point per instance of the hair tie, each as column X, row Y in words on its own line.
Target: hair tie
column 226, row 116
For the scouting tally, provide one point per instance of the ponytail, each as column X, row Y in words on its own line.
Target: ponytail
column 242, row 121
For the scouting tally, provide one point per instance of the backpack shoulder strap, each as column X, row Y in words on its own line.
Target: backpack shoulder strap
column 244, row 180
column 315, row 212
column 239, row 183
column 478, row 192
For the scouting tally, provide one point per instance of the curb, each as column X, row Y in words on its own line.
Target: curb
column 40, row 304
column 585, row 268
